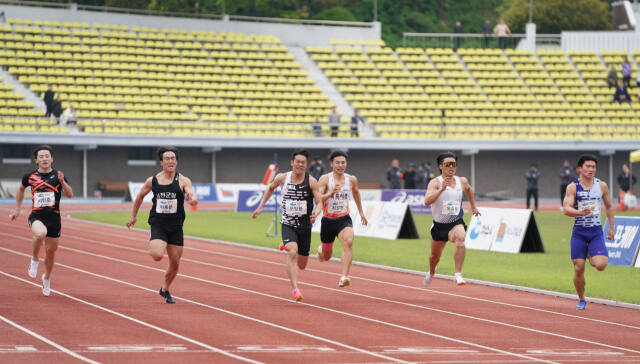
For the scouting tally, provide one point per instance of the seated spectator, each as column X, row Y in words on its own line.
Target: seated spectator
column 317, row 128
column 621, row 94
column 70, row 116
column 638, row 84
column 626, row 72
column 56, row 108
column 612, row 77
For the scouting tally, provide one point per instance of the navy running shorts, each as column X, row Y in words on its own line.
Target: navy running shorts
column 300, row 236
column 587, row 240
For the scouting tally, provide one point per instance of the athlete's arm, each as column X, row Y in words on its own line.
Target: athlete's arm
column 609, row 206
column 570, row 200
column 325, row 193
column 313, row 185
column 146, row 188
column 189, row 193
column 277, row 181
column 19, row 197
column 65, row 186
column 356, row 198
column 434, row 189
column 468, row 190
column 322, row 187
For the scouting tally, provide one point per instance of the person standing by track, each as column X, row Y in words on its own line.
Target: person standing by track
column 166, row 217
column 299, row 191
column 47, row 186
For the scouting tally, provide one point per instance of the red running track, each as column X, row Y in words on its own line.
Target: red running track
column 234, row 305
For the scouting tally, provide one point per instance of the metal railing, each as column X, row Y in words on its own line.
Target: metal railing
column 473, row 40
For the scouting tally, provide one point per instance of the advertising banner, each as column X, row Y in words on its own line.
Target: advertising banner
column 623, row 249
column 249, row 201
column 228, row 192
column 134, row 188
column 370, row 195
column 413, row 198
column 205, row 191
column 504, row 230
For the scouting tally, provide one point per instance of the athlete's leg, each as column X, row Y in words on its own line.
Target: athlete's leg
column 457, row 235
column 292, row 256
column 175, row 253
column 325, row 251
column 39, row 231
column 157, row 248
column 302, row 261
column 51, row 245
column 346, row 238
column 599, row 262
column 578, row 277
column 436, row 251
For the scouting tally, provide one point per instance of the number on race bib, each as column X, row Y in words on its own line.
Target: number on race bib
column 338, row 206
column 44, row 199
column 592, row 204
column 295, row 208
column 167, row 206
column 451, row 207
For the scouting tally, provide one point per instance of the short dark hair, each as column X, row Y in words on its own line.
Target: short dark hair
column 337, row 153
column 301, row 152
column 41, row 147
column 446, row 155
column 533, row 164
column 163, row 150
column 587, row 157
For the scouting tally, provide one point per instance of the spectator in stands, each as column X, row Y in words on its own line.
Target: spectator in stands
column 394, row 175
column 566, row 177
column 487, row 31
column 409, row 176
column 612, row 77
column 626, row 72
column 502, row 30
column 56, row 108
column 317, row 128
column 334, row 122
column 3, row 19
column 48, row 100
column 532, row 176
column 356, row 119
column 638, row 84
column 70, row 116
column 457, row 40
column 623, row 181
column 421, row 177
column 621, row 94
column 316, row 169
column 430, row 174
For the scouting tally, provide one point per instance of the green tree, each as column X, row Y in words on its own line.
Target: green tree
column 335, row 13
column 554, row 16
column 130, row 4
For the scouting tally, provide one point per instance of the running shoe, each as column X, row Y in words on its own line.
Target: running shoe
column 427, row 279
column 33, row 268
column 46, row 286
column 344, row 281
column 581, row 305
column 459, row 280
column 281, row 247
column 320, row 255
column 297, row 295
column 167, row 296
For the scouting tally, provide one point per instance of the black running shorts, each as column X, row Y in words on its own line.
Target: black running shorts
column 51, row 222
column 300, row 236
column 440, row 232
column 169, row 234
column 331, row 227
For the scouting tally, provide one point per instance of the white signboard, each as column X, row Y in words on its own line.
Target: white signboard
column 370, row 195
column 134, row 189
column 228, row 192
column 498, row 229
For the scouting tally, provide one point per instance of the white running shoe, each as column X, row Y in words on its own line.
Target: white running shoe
column 427, row 279
column 320, row 255
column 344, row 281
column 33, row 268
column 459, row 280
column 46, row 286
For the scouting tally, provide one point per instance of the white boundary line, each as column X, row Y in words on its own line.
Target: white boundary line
column 143, row 323
column 350, row 293
column 282, row 299
column 44, row 339
column 375, row 266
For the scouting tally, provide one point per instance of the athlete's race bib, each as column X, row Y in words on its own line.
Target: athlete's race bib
column 295, row 208
column 451, row 208
column 338, row 206
column 44, row 199
column 594, row 205
column 166, row 206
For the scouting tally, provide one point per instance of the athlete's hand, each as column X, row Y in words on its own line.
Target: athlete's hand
column 586, row 211
column 131, row 222
column 14, row 215
column 257, row 212
column 312, row 217
column 475, row 211
column 336, row 189
column 443, row 185
column 610, row 233
column 363, row 219
column 61, row 177
column 191, row 200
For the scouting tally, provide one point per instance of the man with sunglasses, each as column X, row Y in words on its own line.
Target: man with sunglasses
column 445, row 194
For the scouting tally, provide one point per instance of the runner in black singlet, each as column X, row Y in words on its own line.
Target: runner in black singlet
column 299, row 191
column 166, row 217
column 47, row 185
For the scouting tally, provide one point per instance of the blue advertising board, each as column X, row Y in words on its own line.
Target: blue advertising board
column 623, row 249
column 205, row 191
column 413, row 198
column 249, row 201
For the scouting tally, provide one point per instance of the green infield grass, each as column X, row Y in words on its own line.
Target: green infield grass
column 551, row 270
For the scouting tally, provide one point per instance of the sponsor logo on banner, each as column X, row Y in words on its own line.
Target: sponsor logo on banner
column 134, row 189
column 497, row 229
column 413, row 198
column 623, row 249
column 228, row 192
column 248, row 201
column 205, row 191
column 370, row 195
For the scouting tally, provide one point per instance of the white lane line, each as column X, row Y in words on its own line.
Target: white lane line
column 287, row 300
column 143, row 323
column 239, row 245
column 44, row 339
column 363, row 351
column 542, row 332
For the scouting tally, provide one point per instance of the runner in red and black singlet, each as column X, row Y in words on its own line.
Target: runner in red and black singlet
column 47, row 186
column 166, row 217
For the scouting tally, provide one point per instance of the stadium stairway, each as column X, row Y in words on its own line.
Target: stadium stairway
column 19, row 88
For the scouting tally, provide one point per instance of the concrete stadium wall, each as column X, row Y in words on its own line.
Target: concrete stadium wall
column 495, row 171
column 291, row 34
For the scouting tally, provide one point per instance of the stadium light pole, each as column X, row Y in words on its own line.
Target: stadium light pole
column 530, row 11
